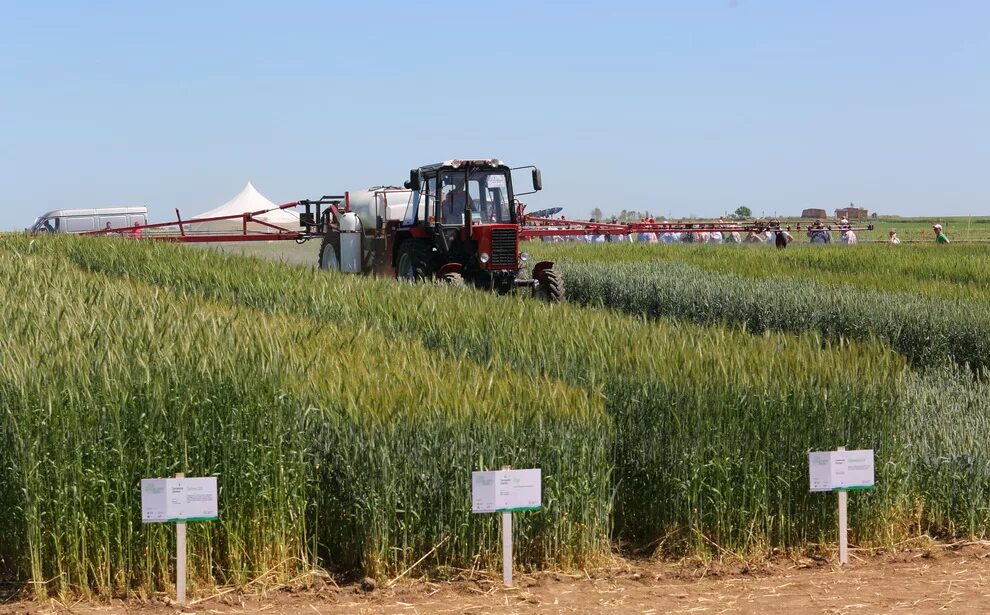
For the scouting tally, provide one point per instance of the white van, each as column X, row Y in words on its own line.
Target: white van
column 84, row 220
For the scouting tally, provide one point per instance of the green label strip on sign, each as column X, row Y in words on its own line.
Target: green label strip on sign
column 187, row 519
column 518, row 509
column 860, row 488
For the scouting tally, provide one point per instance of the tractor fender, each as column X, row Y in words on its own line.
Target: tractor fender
column 449, row 268
column 540, row 266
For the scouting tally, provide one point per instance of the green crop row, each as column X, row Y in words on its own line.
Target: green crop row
column 942, row 272
column 924, row 329
column 947, row 430
column 334, row 445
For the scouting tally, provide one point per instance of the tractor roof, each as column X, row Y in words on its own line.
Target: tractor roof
column 492, row 162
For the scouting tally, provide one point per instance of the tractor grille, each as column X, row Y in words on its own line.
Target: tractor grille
column 504, row 247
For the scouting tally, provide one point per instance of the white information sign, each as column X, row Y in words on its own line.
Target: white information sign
column 165, row 500
column 506, row 490
column 841, row 470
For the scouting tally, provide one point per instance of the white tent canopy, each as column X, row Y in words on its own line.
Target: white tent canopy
column 249, row 200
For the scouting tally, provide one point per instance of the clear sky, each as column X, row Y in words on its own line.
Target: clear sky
column 689, row 107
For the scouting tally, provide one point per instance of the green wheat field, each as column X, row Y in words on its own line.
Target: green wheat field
column 671, row 405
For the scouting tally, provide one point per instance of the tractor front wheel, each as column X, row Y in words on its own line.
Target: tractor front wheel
column 415, row 261
column 452, row 278
column 549, row 286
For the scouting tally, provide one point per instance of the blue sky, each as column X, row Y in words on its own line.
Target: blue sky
column 692, row 107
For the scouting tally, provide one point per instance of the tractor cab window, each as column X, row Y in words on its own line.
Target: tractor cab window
column 422, row 203
column 483, row 194
column 488, row 192
column 454, row 200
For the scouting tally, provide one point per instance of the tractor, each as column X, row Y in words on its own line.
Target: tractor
column 456, row 222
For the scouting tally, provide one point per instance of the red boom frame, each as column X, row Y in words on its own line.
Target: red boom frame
column 176, row 231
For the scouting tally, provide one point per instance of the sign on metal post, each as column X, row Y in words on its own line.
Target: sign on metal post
column 178, row 500
column 171, row 500
column 506, row 491
column 841, row 470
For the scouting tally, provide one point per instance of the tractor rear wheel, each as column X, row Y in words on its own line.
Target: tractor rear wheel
column 330, row 251
column 415, row 262
column 549, row 286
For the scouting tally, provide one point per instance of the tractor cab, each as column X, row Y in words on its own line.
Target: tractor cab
column 465, row 213
column 463, row 193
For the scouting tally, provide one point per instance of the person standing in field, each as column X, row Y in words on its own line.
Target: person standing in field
column 818, row 234
column 753, row 237
column 940, row 236
column 782, row 238
column 733, row 235
column 668, row 236
column 892, row 237
column 648, row 236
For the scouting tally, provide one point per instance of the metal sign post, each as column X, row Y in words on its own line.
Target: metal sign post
column 507, row 544
column 505, row 492
column 180, row 557
column 843, row 523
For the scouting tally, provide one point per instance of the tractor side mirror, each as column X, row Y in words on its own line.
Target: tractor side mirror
column 413, row 183
column 537, row 180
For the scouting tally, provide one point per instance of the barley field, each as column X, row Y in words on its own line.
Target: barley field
column 343, row 415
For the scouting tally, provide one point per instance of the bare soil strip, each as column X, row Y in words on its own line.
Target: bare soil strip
column 953, row 579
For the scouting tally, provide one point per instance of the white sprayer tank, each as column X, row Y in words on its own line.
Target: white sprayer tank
column 350, row 243
column 388, row 202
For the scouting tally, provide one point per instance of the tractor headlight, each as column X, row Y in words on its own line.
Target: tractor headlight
column 483, row 257
column 524, row 256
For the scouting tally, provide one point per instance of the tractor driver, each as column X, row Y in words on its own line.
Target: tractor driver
column 456, row 200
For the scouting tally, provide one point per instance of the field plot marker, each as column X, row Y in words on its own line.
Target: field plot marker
column 180, row 556
column 179, row 500
column 843, row 523
column 506, row 491
column 842, row 471
column 507, row 544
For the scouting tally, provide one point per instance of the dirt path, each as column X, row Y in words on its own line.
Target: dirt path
column 934, row 581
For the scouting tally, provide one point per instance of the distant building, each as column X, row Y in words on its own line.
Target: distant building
column 814, row 213
column 851, row 212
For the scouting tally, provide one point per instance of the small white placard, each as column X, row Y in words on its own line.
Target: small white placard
column 154, row 500
column 483, row 492
column 165, row 500
column 506, row 490
column 496, row 181
column 836, row 470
